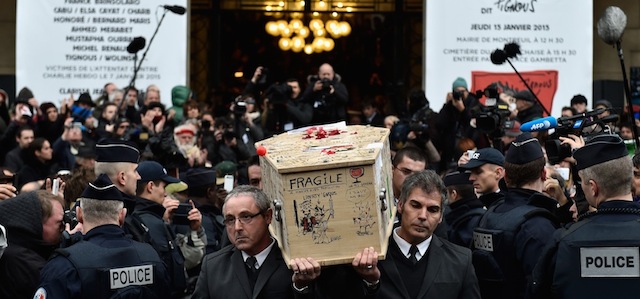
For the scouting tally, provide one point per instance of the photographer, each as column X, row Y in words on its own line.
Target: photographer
column 327, row 95
column 418, row 128
column 284, row 110
column 454, row 122
column 247, row 132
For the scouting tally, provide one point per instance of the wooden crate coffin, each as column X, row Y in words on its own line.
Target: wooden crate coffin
column 332, row 191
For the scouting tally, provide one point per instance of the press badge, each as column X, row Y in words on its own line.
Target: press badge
column 610, row 262
column 123, row 277
column 483, row 241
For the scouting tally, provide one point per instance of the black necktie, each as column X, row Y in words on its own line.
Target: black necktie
column 251, row 263
column 252, row 272
column 412, row 254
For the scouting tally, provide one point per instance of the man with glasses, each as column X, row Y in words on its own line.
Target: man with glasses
column 253, row 266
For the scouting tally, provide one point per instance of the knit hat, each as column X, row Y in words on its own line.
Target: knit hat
column 24, row 95
column 525, row 95
column 604, row 103
column 459, row 82
column 224, row 168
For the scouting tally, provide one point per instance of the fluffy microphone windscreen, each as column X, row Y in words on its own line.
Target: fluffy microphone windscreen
column 611, row 25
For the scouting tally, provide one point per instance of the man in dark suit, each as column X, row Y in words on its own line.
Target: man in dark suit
column 253, row 266
column 418, row 264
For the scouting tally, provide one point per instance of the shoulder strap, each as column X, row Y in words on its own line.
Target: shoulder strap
column 135, row 228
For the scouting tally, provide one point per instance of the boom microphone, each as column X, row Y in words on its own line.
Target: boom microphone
column 540, row 124
column 136, row 45
column 176, row 9
column 611, row 25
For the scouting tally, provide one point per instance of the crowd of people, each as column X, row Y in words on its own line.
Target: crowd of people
column 122, row 197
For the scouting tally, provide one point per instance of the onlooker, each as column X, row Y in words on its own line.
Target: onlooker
column 13, row 160
column 568, row 111
column 38, row 163
column 579, row 103
column 371, row 115
column 328, row 96
column 34, row 222
column 51, row 122
column 106, row 262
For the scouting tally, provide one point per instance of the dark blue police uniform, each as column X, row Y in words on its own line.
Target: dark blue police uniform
column 595, row 257
column 104, row 263
column 508, row 242
column 462, row 218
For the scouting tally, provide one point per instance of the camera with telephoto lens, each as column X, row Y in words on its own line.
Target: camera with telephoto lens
column 457, row 95
column 240, row 108
column 278, row 93
column 326, row 84
column 587, row 125
column 70, row 218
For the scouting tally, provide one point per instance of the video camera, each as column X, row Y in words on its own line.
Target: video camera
column 586, row 124
column 493, row 119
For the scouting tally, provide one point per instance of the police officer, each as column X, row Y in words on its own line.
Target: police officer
column 146, row 224
column 465, row 210
column 118, row 159
column 514, row 230
column 106, row 264
column 597, row 256
column 487, row 173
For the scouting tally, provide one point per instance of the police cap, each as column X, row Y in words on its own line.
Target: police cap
column 482, row 156
column 102, row 189
column 457, row 178
column 524, row 149
column 600, row 149
column 114, row 150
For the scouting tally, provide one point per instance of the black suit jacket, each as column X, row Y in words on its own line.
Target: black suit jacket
column 223, row 275
column 450, row 273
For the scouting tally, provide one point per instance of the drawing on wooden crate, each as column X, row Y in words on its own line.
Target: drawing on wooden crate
column 314, row 220
column 356, row 173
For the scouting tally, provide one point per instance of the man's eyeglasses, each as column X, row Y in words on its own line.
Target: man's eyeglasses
column 244, row 219
column 123, row 127
column 254, row 182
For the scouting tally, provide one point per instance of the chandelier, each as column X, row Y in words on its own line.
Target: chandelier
column 316, row 36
